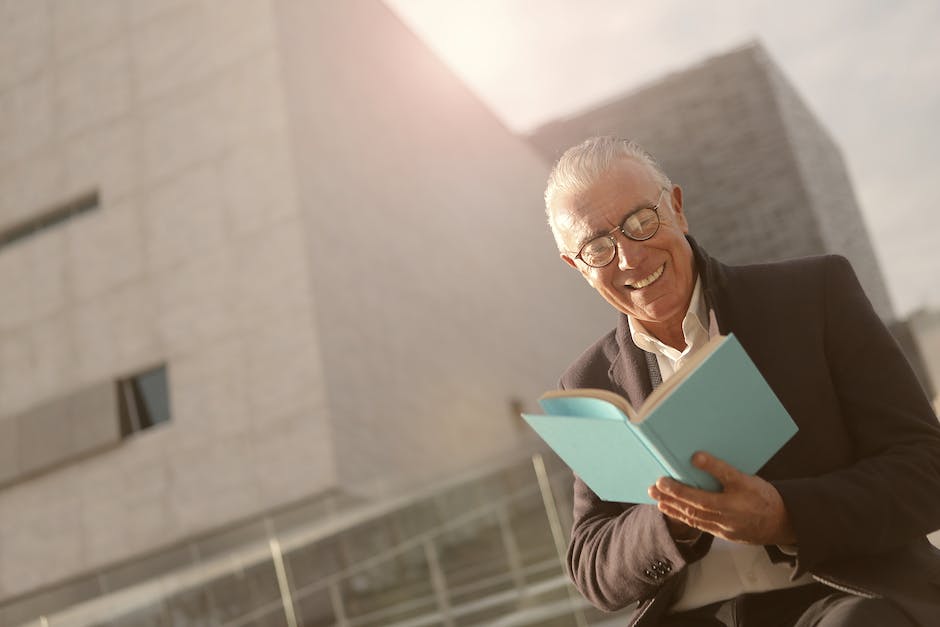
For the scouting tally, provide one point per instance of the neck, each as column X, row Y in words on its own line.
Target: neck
column 670, row 332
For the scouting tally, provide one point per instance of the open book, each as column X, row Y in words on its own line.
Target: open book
column 718, row 402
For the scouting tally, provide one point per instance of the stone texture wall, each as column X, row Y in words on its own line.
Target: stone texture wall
column 339, row 253
column 174, row 112
column 444, row 297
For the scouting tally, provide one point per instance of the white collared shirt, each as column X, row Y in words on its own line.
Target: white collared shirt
column 693, row 327
column 729, row 569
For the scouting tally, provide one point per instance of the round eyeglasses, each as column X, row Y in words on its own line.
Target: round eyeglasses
column 639, row 226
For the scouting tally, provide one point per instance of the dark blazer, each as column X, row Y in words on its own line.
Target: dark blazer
column 860, row 480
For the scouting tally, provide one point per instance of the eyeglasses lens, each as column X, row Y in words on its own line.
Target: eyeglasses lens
column 642, row 224
column 599, row 252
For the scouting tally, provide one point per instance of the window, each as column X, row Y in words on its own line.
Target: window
column 50, row 218
column 143, row 400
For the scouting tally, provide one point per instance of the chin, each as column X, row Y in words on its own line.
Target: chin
column 663, row 311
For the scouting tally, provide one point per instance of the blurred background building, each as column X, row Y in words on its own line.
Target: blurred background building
column 277, row 286
column 763, row 178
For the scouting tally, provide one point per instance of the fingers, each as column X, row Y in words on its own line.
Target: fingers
column 686, row 511
column 708, row 522
column 726, row 474
column 716, row 513
column 749, row 509
column 701, row 499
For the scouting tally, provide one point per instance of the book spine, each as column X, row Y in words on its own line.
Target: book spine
column 658, row 450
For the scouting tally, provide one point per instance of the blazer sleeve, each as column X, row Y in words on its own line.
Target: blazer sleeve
column 620, row 553
column 890, row 495
column 623, row 553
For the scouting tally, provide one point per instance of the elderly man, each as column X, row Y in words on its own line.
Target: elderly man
column 832, row 529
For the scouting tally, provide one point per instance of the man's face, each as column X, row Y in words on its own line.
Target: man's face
column 650, row 280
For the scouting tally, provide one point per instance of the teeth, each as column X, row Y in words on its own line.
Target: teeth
column 650, row 279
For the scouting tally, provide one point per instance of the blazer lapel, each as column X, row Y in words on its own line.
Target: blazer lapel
column 713, row 285
column 629, row 370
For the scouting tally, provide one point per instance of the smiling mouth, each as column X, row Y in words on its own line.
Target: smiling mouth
column 648, row 280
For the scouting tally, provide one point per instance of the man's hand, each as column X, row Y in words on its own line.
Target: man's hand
column 748, row 510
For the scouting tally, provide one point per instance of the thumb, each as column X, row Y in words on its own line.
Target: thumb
column 725, row 473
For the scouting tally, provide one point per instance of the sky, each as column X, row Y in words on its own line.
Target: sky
column 868, row 69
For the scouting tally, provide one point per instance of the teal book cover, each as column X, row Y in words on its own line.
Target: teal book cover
column 718, row 402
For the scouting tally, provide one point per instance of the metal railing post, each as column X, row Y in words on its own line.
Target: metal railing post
column 512, row 549
column 554, row 523
column 438, row 582
column 336, row 600
column 283, row 585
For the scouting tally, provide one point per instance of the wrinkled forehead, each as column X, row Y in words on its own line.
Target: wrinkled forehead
column 625, row 187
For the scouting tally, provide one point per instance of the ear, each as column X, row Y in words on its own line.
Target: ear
column 677, row 213
column 583, row 269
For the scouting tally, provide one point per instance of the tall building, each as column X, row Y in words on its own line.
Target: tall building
column 763, row 179
column 252, row 253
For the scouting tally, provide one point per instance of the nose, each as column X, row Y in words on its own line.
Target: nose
column 628, row 251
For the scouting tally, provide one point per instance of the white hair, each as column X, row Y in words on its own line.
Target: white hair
column 581, row 166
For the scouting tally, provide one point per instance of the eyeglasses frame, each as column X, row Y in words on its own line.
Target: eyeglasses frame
column 610, row 234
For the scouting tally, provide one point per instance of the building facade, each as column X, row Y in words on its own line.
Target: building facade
column 281, row 242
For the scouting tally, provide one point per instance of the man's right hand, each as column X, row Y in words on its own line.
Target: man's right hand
column 748, row 509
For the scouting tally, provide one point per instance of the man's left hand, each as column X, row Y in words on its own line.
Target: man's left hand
column 748, row 510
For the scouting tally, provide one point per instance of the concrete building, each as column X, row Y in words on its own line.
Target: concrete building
column 763, row 179
column 280, row 232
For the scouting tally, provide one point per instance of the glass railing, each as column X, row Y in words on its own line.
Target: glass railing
column 481, row 551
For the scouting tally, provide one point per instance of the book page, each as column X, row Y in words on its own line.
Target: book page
column 605, row 395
